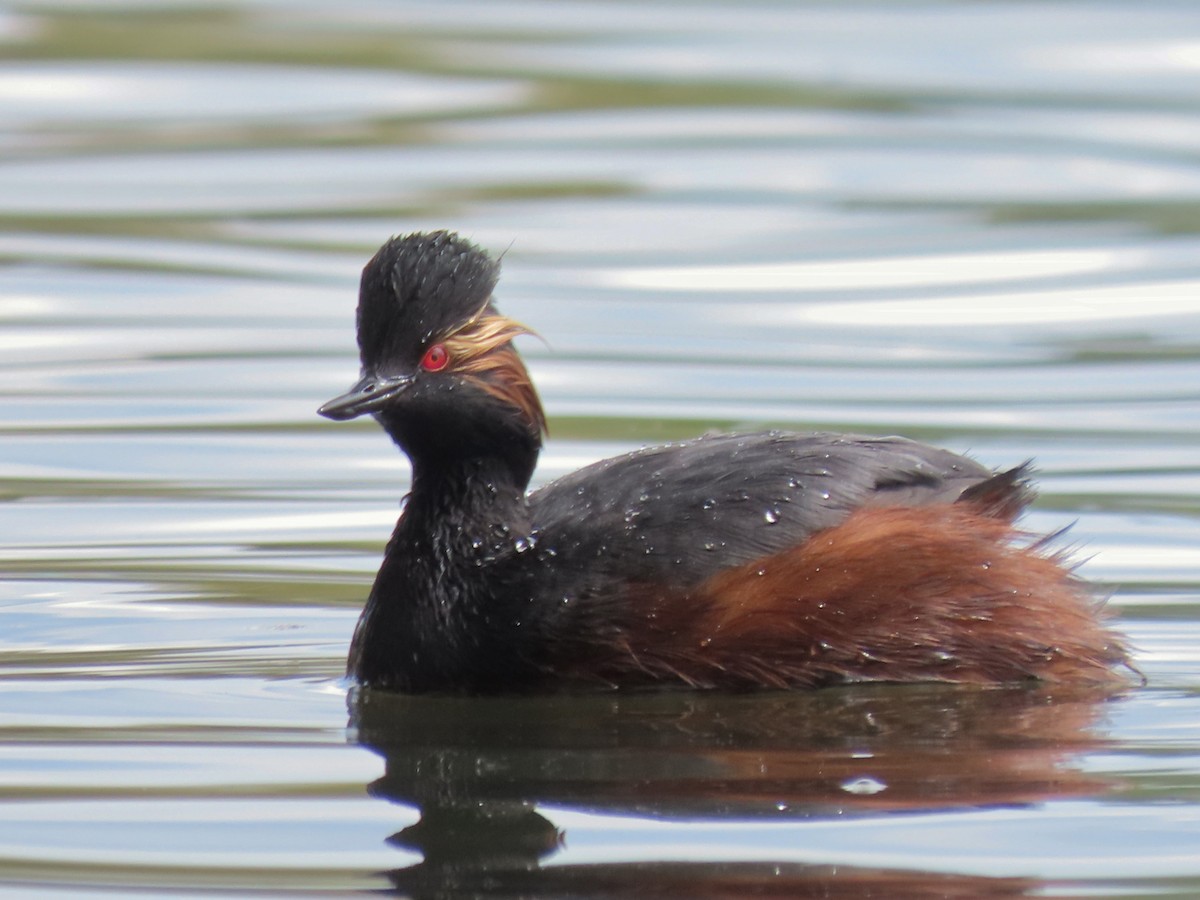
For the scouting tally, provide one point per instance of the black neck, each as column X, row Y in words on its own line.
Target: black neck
column 442, row 611
column 452, row 455
column 461, row 507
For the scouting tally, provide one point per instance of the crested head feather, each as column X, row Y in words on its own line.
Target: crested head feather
column 419, row 286
column 436, row 287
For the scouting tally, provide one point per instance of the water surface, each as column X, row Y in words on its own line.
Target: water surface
column 973, row 223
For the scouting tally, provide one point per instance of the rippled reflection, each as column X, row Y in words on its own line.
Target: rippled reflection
column 490, row 778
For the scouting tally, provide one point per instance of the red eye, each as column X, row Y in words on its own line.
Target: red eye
column 435, row 358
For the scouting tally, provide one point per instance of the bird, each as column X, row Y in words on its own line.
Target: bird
column 770, row 560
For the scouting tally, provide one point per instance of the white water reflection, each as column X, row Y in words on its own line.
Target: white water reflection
column 1149, row 58
column 945, row 49
column 1157, row 842
column 928, row 271
column 304, row 180
column 1093, row 306
column 94, row 93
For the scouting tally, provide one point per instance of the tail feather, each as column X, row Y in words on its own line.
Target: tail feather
column 1003, row 496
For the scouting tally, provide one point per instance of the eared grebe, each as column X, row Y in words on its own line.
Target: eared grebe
column 742, row 560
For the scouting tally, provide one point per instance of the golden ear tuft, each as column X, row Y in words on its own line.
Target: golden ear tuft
column 479, row 337
column 482, row 350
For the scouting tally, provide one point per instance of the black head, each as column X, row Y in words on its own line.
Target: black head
column 439, row 370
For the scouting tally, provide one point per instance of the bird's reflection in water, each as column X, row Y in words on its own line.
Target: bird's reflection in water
column 480, row 769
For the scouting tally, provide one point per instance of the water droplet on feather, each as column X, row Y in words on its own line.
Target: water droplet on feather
column 864, row 785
